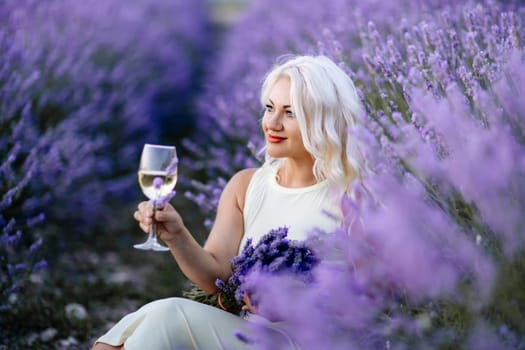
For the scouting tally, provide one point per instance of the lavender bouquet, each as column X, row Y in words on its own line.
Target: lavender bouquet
column 273, row 254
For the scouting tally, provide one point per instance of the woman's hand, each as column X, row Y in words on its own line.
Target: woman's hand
column 169, row 222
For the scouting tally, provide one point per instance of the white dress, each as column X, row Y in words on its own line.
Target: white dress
column 178, row 323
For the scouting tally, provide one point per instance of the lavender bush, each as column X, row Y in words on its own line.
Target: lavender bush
column 82, row 87
column 230, row 111
column 438, row 259
column 430, row 267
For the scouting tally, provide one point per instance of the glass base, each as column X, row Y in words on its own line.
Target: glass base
column 151, row 246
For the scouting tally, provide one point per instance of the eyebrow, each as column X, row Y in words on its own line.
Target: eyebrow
column 285, row 106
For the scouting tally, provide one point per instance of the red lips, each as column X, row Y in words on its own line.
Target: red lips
column 275, row 139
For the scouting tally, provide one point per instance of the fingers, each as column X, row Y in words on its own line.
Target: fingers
column 167, row 213
column 143, row 215
column 146, row 208
column 144, row 227
column 144, row 222
column 161, row 215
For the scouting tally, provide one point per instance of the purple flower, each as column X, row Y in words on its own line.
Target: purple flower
column 273, row 254
column 40, row 265
column 83, row 86
column 163, row 200
column 172, row 167
column 443, row 134
column 242, row 337
column 158, row 182
column 35, row 246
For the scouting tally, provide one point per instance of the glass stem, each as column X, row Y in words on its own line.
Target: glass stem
column 153, row 228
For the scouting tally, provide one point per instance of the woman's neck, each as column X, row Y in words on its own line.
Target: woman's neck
column 295, row 174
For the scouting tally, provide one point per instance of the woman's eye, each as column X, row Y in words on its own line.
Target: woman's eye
column 269, row 108
column 290, row 114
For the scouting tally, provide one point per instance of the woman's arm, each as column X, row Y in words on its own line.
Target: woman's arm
column 203, row 265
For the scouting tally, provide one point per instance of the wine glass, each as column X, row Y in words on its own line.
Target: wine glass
column 157, row 178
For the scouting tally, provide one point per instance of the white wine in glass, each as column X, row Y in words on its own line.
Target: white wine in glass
column 146, row 181
column 157, row 178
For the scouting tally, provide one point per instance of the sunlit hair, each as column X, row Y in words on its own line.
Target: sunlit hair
column 326, row 105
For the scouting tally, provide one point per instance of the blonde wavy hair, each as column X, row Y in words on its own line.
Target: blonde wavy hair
column 326, row 105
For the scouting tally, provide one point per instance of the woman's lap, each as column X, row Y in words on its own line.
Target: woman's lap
column 177, row 323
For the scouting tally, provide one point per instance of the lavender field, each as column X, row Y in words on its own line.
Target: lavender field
column 434, row 256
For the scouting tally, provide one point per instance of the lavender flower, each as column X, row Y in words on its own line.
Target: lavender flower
column 158, row 182
column 80, row 92
column 440, row 230
column 163, row 200
column 172, row 167
column 274, row 254
column 230, row 114
column 242, row 337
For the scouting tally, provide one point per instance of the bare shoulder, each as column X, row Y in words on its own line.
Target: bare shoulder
column 244, row 175
column 239, row 182
column 236, row 187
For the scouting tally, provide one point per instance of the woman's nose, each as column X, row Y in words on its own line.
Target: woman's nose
column 273, row 121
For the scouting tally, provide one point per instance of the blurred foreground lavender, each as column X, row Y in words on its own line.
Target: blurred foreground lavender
column 439, row 260
column 82, row 87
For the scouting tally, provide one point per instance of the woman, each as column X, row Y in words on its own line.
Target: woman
column 310, row 104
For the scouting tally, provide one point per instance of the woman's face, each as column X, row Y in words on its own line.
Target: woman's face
column 280, row 126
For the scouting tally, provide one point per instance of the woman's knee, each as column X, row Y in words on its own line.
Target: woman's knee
column 168, row 314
